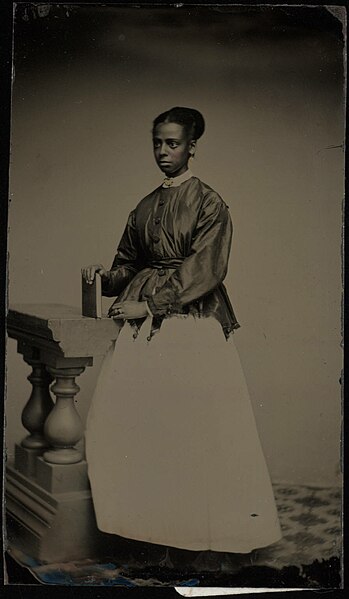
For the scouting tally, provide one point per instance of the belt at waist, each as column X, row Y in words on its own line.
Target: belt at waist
column 165, row 263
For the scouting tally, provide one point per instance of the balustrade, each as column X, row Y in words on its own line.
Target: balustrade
column 49, row 506
column 38, row 406
column 63, row 427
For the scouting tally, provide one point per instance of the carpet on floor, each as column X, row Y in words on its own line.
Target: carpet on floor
column 307, row 556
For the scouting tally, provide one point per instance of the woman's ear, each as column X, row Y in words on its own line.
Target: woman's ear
column 192, row 147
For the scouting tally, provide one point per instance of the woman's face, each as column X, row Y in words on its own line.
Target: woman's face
column 172, row 148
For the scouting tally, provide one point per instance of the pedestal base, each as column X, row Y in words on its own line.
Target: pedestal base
column 62, row 478
column 50, row 526
column 26, row 460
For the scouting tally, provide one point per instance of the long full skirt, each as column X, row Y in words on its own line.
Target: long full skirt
column 173, row 453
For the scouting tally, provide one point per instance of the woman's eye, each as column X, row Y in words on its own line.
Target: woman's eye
column 173, row 144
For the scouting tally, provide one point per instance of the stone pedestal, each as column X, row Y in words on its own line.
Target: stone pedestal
column 62, row 478
column 50, row 526
column 25, row 460
column 50, row 514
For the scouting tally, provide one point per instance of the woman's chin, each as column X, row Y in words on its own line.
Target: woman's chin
column 165, row 170
column 172, row 172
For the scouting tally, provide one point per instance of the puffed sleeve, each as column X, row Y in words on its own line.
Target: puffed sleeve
column 206, row 266
column 127, row 261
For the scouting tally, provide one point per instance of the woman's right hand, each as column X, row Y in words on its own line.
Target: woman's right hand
column 89, row 272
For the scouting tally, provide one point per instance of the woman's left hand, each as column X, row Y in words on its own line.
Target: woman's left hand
column 128, row 310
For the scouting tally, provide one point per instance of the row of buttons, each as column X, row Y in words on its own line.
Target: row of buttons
column 156, row 237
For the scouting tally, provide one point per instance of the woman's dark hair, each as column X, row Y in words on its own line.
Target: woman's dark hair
column 191, row 120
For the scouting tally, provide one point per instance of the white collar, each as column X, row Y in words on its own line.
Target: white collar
column 176, row 181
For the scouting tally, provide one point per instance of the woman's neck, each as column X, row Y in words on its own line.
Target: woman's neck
column 176, row 181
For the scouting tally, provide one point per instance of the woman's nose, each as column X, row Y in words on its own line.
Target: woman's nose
column 163, row 150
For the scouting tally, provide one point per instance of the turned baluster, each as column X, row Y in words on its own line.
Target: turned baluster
column 37, row 407
column 63, row 427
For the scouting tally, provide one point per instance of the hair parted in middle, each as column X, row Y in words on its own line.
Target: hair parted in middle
column 191, row 120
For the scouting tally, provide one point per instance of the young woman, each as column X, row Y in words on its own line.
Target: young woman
column 173, row 452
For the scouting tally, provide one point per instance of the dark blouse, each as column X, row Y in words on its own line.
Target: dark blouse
column 174, row 253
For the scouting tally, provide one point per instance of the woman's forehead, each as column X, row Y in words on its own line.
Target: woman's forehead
column 168, row 130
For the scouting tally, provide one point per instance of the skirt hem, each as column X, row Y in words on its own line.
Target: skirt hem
column 196, row 546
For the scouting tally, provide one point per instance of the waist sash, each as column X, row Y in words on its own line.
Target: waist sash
column 165, row 263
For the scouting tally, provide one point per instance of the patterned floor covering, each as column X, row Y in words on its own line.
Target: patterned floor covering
column 308, row 556
column 311, row 524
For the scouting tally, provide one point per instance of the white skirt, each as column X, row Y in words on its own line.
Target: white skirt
column 173, row 453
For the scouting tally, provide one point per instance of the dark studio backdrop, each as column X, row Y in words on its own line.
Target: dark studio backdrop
column 88, row 82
